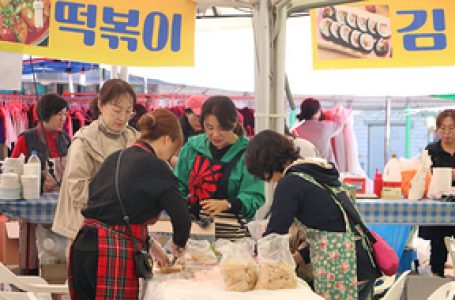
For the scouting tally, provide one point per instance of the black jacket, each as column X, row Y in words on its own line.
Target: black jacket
column 147, row 187
column 315, row 208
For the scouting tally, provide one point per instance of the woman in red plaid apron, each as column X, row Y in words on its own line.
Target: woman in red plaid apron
column 101, row 257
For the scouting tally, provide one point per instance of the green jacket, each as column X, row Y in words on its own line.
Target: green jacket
column 242, row 185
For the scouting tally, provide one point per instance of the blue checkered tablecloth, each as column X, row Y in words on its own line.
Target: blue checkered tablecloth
column 33, row 211
column 378, row 211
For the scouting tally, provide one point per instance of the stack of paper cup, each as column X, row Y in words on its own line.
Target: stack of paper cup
column 13, row 165
column 30, row 187
column 441, row 181
column 33, row 169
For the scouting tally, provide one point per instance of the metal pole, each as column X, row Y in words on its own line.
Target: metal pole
column 388, row 108
column 408, row 130
column 261, row 13
column 279, row 75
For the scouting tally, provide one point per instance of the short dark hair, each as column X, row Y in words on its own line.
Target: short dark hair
column 448, row 113
column 49, row 105
column 224, row 111
column 269, row 152
column 308, row 109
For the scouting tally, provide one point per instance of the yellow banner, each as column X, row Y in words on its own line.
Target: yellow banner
column 386, row 33
column 133, row 32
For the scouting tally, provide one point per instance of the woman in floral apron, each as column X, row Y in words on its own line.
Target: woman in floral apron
column 343, row 266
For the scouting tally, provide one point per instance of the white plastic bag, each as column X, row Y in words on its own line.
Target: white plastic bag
column 238, row 268
column 200, row 252
column 276, row 265
column 51, row 246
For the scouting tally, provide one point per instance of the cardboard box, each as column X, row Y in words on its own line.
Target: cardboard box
column 421, row 287
column 9, row 241
column 54, row 273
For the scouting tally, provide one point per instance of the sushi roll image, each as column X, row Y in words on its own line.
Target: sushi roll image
column 328, row 12
column 367, row 42
column 335, row 31
column 372, row 26
column 382, row 47
column 345, row 34
column 324, row 28
column 351, row 20
column 355, row 39
column 341, row 16
column 362, row 23
column 383, row 30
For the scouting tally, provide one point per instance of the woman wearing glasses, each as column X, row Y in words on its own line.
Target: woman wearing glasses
column 442, row 155
column 89, row 148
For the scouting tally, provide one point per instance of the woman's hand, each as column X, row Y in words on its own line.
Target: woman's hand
column 49, row 185
column 213, row 207
column 297, row 258
column 159, row 254
column 176, row 250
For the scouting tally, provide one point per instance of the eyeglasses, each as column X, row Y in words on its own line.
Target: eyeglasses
column 446, row 129
column 119, row 113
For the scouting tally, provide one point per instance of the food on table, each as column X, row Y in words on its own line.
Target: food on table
column 239, row 276
column 274, row 276
column 335, row 31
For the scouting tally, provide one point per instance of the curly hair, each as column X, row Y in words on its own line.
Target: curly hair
column 269, row 152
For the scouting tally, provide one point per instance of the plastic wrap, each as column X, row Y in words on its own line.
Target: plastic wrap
column 51, row 246
column 276, row 265
column 238, row 268
column 200, row 252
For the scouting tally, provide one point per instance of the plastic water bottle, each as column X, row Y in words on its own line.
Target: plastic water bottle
column 34, row 160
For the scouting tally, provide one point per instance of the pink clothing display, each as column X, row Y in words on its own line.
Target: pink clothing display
column 319, row 133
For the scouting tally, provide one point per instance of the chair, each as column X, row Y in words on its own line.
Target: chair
column 17, row 296
column 450, row 245
column 34, row 284
column 394, row 293
column 444, row 292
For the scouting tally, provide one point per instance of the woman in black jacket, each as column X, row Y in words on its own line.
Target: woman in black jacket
column 442, row 155
column 343, row 265
column 101, row 257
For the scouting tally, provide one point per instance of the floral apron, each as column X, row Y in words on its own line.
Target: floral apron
column 333, row 257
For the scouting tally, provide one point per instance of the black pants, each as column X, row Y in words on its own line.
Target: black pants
column 438, row 256
column 85, row 266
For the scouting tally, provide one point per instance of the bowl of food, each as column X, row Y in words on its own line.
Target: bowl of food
column 24, row 21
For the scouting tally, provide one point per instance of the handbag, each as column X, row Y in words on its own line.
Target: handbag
column 384, row 255
column 143, row 262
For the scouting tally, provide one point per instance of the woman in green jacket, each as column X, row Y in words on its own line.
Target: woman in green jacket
column 212, row 173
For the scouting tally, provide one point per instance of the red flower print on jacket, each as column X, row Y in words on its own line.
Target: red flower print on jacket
column 203, row 179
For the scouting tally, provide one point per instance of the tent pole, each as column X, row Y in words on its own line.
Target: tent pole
column 388, row 108
column 408, row 130
column 278, row 71
column 261, row 25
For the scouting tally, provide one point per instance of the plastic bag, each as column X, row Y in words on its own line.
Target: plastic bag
column 200, row 252
column 238, row 269
column 276, row 265
column 51, row 246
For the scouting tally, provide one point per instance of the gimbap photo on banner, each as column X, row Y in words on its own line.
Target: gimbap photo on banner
column 353, row 31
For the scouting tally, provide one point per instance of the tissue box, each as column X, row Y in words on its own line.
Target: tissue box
column 9, row 241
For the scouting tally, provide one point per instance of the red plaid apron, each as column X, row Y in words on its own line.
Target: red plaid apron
column 115, row 276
